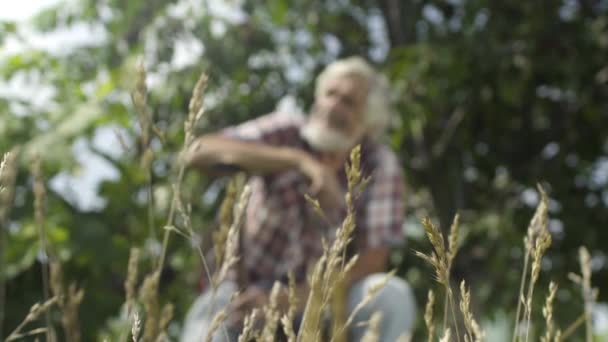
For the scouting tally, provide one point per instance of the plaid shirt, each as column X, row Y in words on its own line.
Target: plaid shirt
column 282, row 232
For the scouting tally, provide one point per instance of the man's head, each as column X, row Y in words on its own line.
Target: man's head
column 350, row 103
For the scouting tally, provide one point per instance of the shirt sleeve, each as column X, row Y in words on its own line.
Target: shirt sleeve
column 273, row 129
column 384, row 210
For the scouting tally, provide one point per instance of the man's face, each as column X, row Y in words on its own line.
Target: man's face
column 336, row 122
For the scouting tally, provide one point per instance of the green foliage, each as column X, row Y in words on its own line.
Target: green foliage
column 491, row 97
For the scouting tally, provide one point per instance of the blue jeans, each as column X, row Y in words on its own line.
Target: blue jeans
column 395, row 300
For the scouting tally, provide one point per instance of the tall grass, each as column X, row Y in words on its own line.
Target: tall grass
column 148, row 319
column 8, row 175
column 536, row 243
column 44, row 254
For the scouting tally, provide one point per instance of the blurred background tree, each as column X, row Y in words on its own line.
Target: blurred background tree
column 490, row 97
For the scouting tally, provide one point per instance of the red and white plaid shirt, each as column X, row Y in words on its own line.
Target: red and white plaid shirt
column 282, row 232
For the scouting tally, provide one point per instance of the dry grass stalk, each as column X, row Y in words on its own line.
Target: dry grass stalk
column 226, row 217
column 219, row 318
column 558, row 336
column 149, row 289
column 8, row 175
column 131, row 280
column 139, row 98
column 56, row 280
column 287, row 319
column 33, row 332
column 371, row 294
column 135, row 326
column 39, row 205
column 271, row 314
column 165, row 318
column 228, row 245
column 68, row 302
column 39, row 212
column 332, row 266
column 35, row 311
column 311, row 320
column 2, row 167
column 195, row 109
column 438, row 257
column 538, row 241
column 548, row 313
column 317, row 208
column 188, row 232
column 338, row 311
column 231, row 248
column 447, row 336
column 473, row 331
column 339, row 303
column 572, row 327
column 537, row 225
column 405, row 337
column 130, row 286
column 227, row 241
column 195, row 113
column 372, row 334
column 69, row 309
column 589, row 295
column 428, row 315
column 453, row 243
column 288, row 328
column 149, row 298
column 441, row 259
column 453, row 246
column 2, row 248
column 248, row 326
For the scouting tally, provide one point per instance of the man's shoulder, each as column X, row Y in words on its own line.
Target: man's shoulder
column 281, row 119
column 274, row 128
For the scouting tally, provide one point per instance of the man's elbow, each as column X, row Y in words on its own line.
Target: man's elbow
column 205, row 155
column 198, row 155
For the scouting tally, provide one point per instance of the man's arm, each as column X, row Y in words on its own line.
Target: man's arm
column 213, row 152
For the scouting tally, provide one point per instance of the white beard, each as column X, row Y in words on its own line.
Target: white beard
column 325, row 139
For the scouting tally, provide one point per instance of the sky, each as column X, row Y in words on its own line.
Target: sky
column 94, row 169
column 23, row 9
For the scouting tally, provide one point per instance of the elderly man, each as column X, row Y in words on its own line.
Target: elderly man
column 288, row 156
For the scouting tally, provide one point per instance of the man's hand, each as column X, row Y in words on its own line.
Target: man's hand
column 323, row 182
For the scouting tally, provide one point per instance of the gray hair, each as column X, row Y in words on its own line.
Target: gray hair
column 378, row 110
